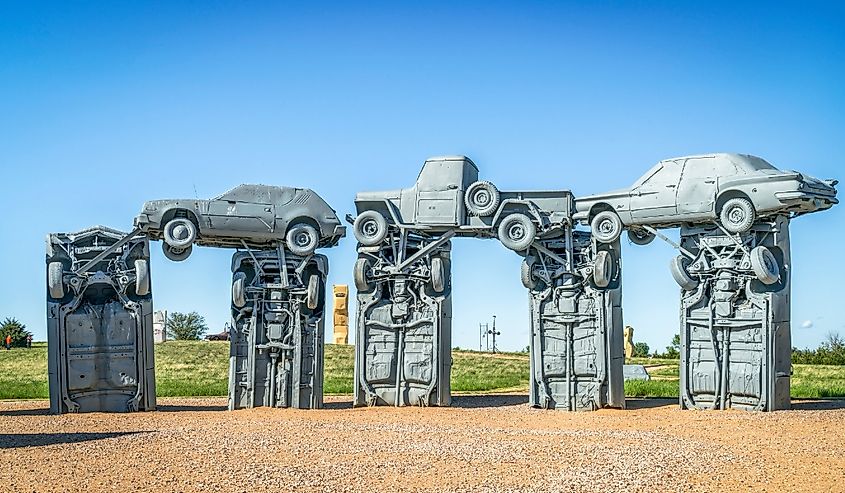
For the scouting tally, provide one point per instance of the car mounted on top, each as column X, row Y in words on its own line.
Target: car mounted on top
column 731, row 189
column 247, row 216
column 449, row 198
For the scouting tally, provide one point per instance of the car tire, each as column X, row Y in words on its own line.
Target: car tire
column 239, row 290
column 526, row 273
column 176, row 254
column 737, row 215
column 438, row 275
column 517, row 231
column 370, row 228
column 603, row 269
column 678, row 266
column 765, row 265
column 312, row 293
column 606, row 226
column 142, row 277
column 55, row 281
column 640, row 237
column 302, row 239
column 359, row 275
column 482, row 198
column 180, row 232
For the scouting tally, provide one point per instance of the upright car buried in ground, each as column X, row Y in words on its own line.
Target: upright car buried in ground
column 254, row 216
column 734, row 189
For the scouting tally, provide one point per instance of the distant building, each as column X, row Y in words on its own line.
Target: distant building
column 160, row 326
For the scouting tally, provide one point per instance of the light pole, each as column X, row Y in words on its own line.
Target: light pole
column 494, row 333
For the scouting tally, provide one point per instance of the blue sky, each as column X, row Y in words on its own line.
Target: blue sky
column 106, row 105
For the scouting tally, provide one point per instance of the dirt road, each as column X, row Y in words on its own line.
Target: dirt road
column 483, row 443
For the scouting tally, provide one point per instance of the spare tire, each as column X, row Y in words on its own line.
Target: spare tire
column 517, row 232
column 142, row 277
column 302, row 239
column 176, row 254
column 482, row 198
column 55, row 282
column 312, row 297
column 640, row 237
column 526, row 273
column 678, row 266
column 603, row 269
column 370, row 228
column 765, row 265
column 359, row 275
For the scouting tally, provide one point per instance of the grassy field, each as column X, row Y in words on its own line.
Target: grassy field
column 201, row 369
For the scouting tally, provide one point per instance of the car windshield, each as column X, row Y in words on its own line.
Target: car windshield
column 755, row 163
column 648, row 175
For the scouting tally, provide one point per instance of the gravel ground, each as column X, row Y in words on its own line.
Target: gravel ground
column 483, row 443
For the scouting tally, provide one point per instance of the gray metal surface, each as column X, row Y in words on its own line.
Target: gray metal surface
column 575, row 301
column 635, row 372
column 99, row 323
column 278, row 312
column 449, row 197
column 254, row 216
column 403, row 330
column 735, row 317
column 734, row 189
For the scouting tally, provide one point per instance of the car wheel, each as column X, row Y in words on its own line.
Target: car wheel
column 678, row 266
column 526, row 273
column 737, row 215
column 142, row 277
column 603, row 269
column 239, row 290
column 176, row 254
column 640, row 236
column 55, row 282
column 370, row 228
column 312, row 297
column 180, row 232
column 360, row 275
column 765, row 265
column 606, row 226
column 482, row 198
column 302, row 239
column 438, row 275
column 517, row 232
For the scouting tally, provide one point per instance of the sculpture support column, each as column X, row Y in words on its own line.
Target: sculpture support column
column 735, row 317
column 276, row 343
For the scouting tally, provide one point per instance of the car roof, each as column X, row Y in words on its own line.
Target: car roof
column 255, row 191
column 456, row 157
column 730, row 156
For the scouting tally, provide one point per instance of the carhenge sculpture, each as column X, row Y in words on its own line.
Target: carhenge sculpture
column 99, row 322
column 733, row 268
column 278, row 283
column 403, row 276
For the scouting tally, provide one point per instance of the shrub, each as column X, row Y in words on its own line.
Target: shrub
column 17, row 330
column 186, row 326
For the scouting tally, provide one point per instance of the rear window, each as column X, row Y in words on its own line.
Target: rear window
column 756, row 163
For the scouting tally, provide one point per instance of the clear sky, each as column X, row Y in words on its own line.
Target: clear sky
column 104, row 105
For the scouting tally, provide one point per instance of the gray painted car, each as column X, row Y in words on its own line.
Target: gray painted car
column 256, row 216
column 734, row 189
column 449, row 197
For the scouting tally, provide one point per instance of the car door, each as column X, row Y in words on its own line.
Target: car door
column 655, row 198
column 229, row 216
column 439, row 193
column 697, row 188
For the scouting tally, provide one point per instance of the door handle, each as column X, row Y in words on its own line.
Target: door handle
column 451, row 187
column 671, row 186
column 709, row 181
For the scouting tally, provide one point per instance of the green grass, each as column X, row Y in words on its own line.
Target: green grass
column 201, row 369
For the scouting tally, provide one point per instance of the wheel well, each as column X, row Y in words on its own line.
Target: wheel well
column 730, row 194
column 179, row 212
column 511, row 208
column 600, row 207
column 305, row 220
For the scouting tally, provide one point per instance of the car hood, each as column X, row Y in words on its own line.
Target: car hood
column 587, row 200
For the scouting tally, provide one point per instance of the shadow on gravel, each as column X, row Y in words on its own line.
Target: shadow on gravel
column 176, row 409
column 492, row 400
column 648, row 402
column 338, row 405
column 19, row 440
column 818, row 405
column 26, row 412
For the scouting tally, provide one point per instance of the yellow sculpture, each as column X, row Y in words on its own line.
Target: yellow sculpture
column 629, row 341
column 341, row 313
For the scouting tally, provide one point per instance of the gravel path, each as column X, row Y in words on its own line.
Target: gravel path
column 483, row 443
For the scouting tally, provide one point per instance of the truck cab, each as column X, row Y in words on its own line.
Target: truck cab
column 437, row 198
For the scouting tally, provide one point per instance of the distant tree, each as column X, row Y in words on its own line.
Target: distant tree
column 12, row 327
column 641, row 350
column 526, row 349
column 673, row 351
column 186, row 326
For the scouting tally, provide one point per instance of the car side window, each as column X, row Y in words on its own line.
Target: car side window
column 701, row 169
column 667, row 176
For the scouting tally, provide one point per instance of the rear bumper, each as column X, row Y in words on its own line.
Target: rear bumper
column 806, row 201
